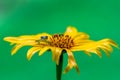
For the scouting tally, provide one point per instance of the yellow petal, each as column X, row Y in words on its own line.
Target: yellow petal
column 11, row 39
column 18, row 40
column 111, row 42
column 56, row 53
column 43, row 50
column 71, row 62
column 88, row 53
column 106, row 51
column 95, row 46
column 71, row 31
column 81, row 36
column 35, row 36
column 16, row 48
column 26, row 39
column 32, row 51
column 97, row 51
column 53, row 53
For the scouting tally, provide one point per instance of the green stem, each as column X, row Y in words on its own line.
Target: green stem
column 59, row 68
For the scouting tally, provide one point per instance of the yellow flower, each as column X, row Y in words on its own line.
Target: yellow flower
column 70, row 41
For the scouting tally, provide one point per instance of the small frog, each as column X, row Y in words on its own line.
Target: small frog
column 43, row 39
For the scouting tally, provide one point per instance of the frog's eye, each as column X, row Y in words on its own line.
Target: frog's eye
column 44, row 37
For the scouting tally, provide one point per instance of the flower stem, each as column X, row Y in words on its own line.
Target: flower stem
column 59, row 68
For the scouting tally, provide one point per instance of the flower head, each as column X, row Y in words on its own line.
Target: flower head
column 70, row 41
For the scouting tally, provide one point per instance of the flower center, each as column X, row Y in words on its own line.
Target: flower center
column 62, row 41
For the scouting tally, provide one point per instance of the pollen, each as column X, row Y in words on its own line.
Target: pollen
column 61, row 41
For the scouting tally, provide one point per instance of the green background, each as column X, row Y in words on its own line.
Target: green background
column 99, row 18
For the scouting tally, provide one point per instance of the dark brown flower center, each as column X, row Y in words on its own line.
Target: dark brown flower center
column 62, row 41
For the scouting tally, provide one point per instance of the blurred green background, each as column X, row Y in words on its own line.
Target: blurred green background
column 99, row 18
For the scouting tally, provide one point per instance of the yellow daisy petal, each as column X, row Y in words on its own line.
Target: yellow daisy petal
column 34, row 37
column 16, row 48
column 71, row 62
column 110, row 42
column 95, row 46
column 26, row 39
column 88, row 53
column 81, row 36
column 32, row 51
column 18, row 40
column 56, row 53
column 11, row 39
column 71, row 31
column 43, row 50
column 106, row 51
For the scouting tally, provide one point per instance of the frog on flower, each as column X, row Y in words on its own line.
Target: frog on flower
column 70, row 41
